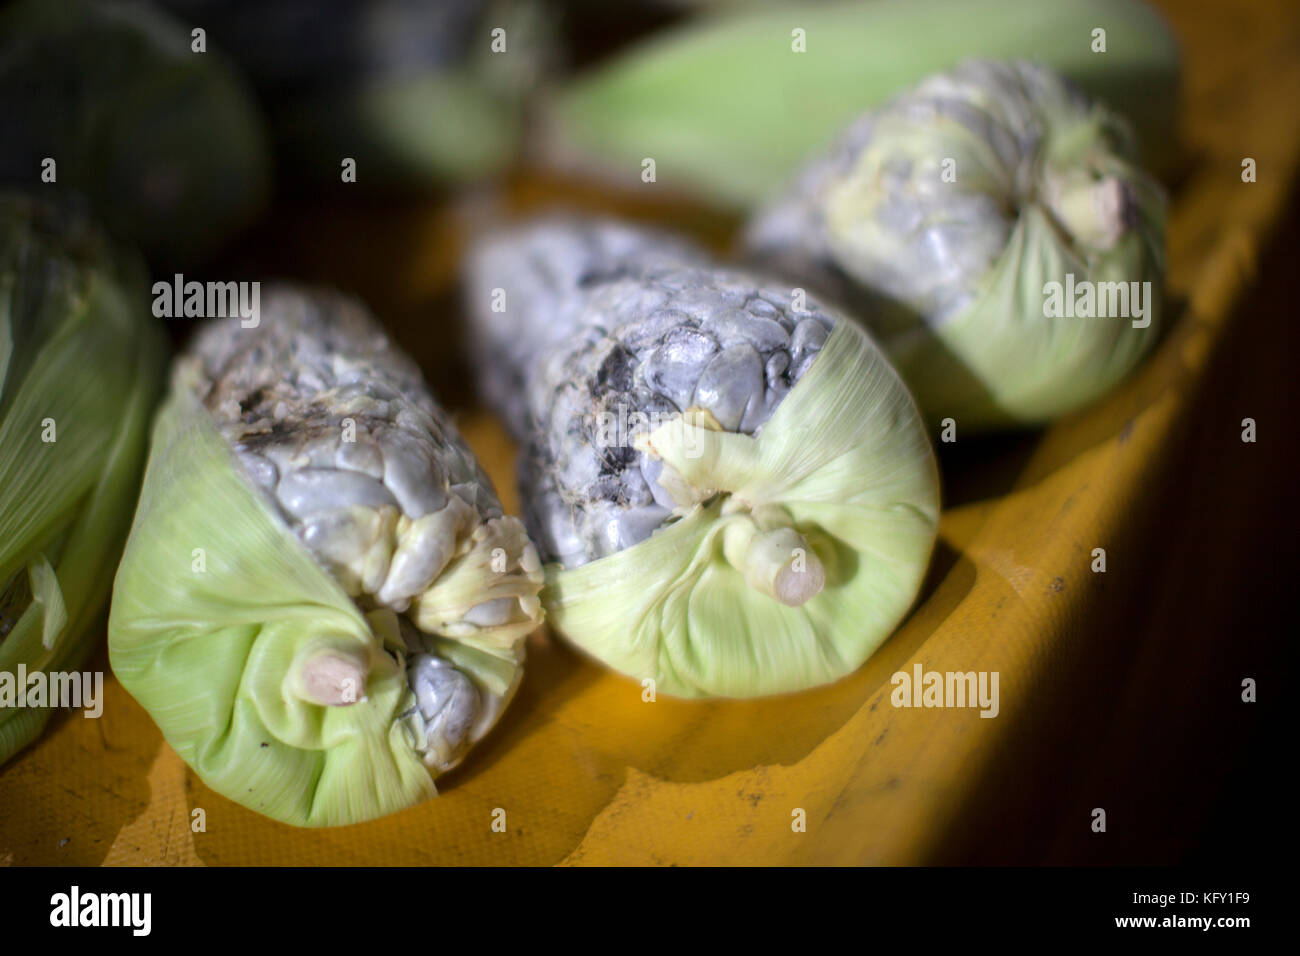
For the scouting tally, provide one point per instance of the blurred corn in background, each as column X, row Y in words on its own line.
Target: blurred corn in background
column 729, row 104
column 944, row 217
column 110, row 101
column 421, row 93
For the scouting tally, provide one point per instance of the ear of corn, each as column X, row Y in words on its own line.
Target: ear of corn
column 733, row 497
column 166, row 143
column 952, row 268
column 321, row 621
column 72, row 437
column 207, row 652
column 846, row 465
column 727, row 109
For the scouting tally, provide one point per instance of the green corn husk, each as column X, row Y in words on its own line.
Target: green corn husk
column 236, row 628
column 221, row 611
column 166, row 143
column 970, row 281
column 728, row 111
column 731, row 489
column 847, row 465
column 66, row 296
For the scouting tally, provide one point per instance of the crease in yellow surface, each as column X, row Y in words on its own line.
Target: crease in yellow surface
column 163, row 831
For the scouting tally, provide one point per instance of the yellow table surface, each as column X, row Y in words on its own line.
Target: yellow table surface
column 589, row 773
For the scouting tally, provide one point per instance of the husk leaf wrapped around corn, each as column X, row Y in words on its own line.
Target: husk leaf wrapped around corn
column 733, row 497
column 321, row 603
column 73, row 436
column 949, row 218
column 730, row 105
